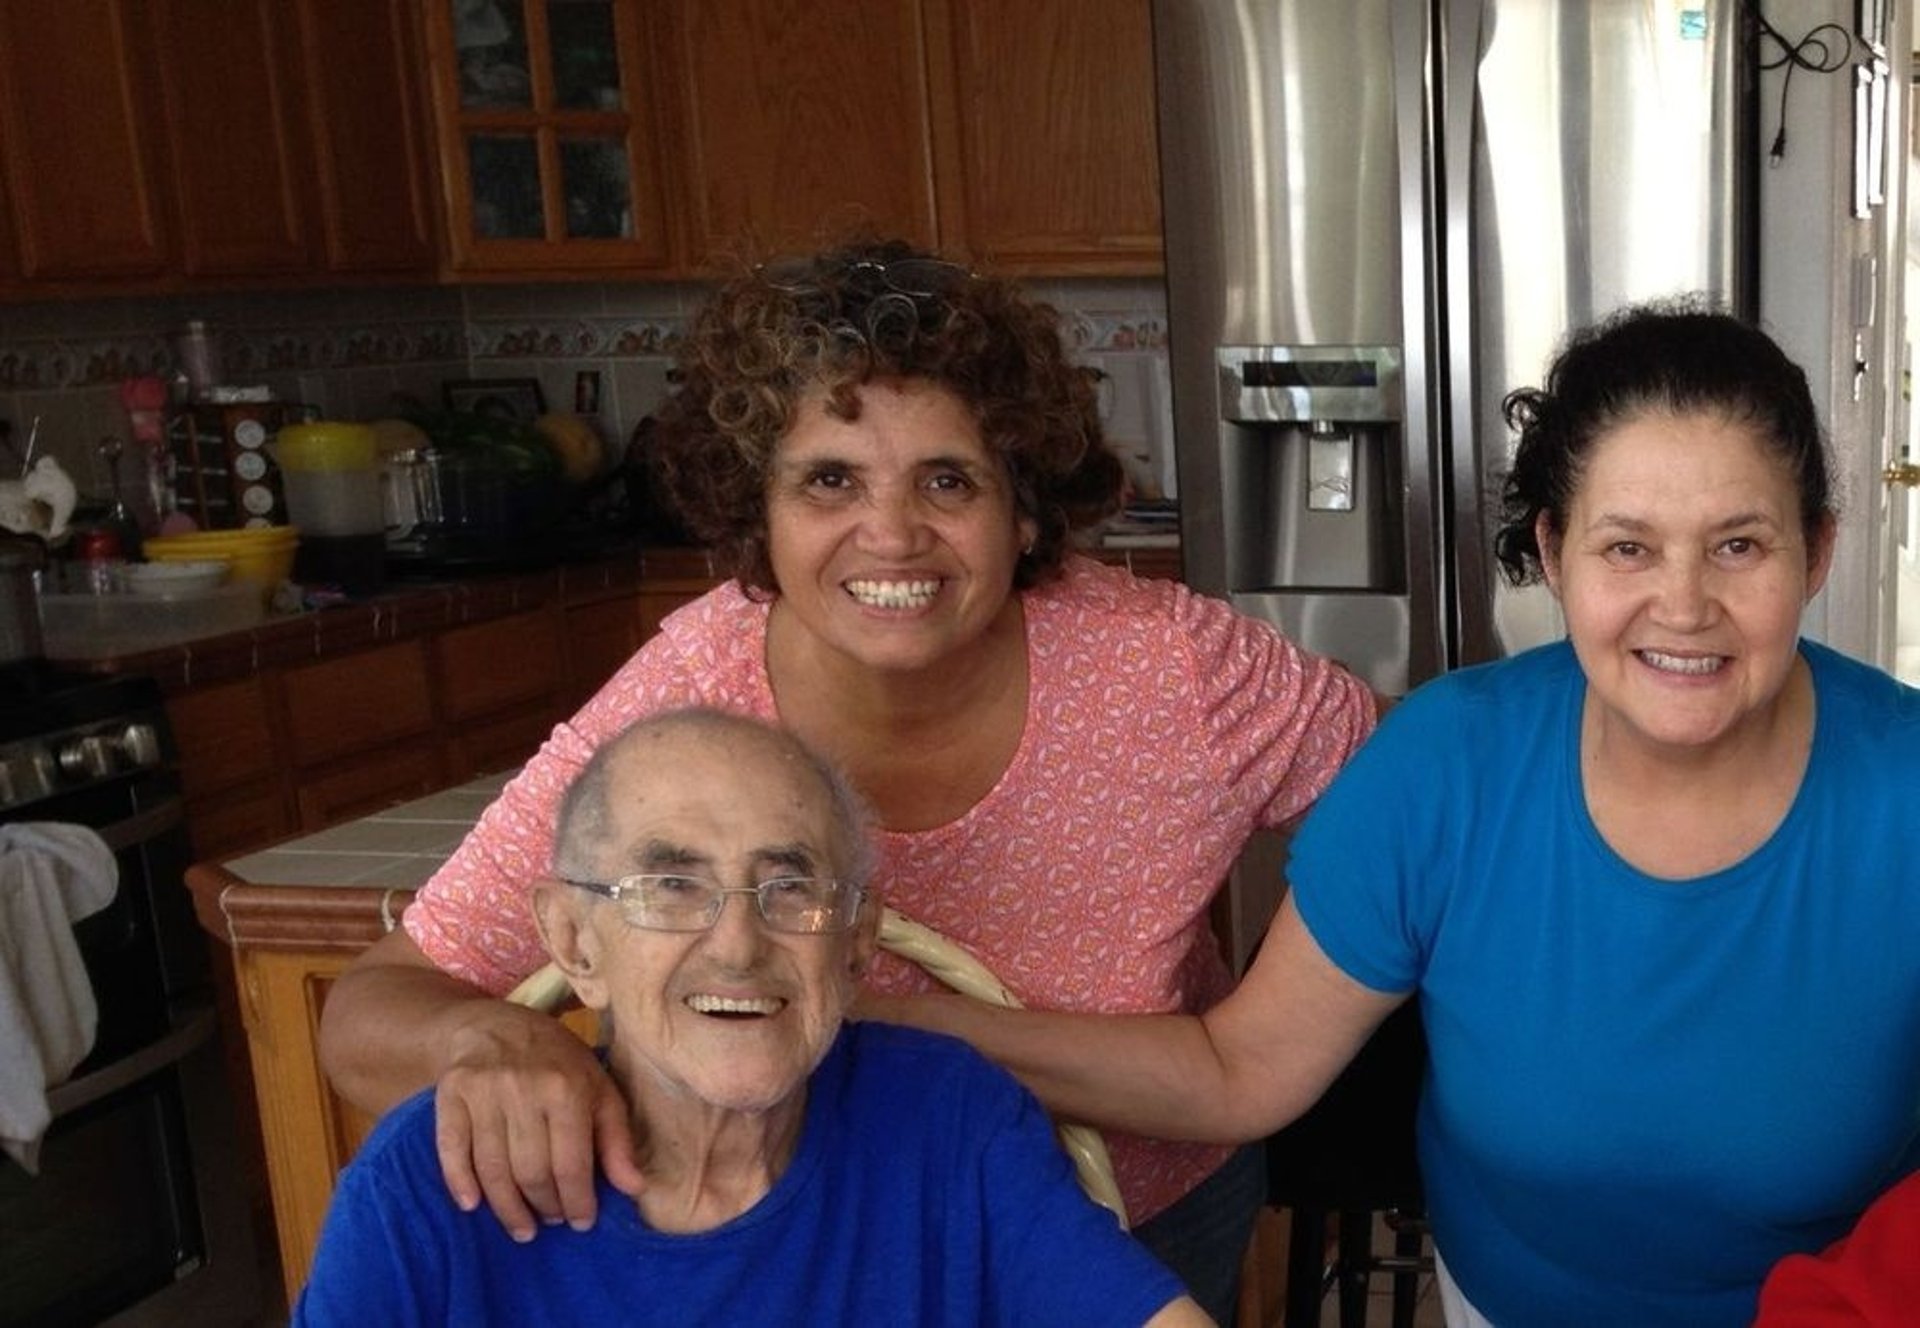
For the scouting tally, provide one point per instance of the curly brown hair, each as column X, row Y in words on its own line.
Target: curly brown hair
column 867, row 311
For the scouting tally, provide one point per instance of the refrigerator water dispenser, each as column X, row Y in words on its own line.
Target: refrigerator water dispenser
column 1312, row 436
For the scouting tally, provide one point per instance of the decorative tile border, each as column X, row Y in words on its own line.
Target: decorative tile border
column 56, row 364
column 572, row 338
column 1114, row 331
column 357, row 346
column 60, row 364
column 585, row 338
column 50, row 365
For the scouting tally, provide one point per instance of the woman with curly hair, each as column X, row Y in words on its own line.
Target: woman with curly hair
column 891, row 456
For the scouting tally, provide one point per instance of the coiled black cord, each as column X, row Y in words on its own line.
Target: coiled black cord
column 1824, row 50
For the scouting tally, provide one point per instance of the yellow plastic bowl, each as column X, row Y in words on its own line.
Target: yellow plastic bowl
column 262, row 556
column 266, row 568
column 199, row 543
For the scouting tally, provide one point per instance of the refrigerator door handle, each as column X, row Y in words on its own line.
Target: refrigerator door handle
column 1468, row 535
column 1421, row 383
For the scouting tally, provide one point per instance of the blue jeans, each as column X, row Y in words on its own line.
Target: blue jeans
column 1204, row 1236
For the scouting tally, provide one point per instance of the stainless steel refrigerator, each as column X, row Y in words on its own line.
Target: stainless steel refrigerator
column 1381, row 216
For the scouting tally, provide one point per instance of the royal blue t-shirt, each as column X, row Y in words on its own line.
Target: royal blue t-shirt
column 927, row 1188
column 1642, row 1092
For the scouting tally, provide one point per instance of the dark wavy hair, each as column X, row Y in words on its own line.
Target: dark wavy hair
column 877, row 311
column 1675, row 357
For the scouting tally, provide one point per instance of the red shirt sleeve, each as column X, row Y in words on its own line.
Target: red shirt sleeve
column 1872, row 1277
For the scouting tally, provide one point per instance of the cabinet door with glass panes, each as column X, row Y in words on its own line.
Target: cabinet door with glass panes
column 550, row 151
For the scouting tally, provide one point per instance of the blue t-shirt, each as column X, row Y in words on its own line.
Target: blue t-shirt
column 927, row 1188
column 1641, row 1092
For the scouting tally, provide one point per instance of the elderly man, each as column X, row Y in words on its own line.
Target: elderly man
column 708, row 901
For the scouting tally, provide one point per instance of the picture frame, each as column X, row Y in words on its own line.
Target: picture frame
column 517, row 399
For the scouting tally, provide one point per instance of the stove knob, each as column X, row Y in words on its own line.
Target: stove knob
column 141, row 744
column 86, row 758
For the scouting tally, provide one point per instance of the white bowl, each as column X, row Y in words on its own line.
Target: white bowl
column 173, row 578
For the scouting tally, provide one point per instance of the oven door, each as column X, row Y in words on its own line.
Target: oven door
column 112, row 1216
column 139, row 1214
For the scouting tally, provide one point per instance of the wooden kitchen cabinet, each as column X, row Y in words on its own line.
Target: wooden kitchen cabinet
column 225, row 736
column 548, row 115
column 361, row 63
column 796, row 127
column 502, row 689
column 275, row 741
column 9, row 248
column 234, row 136
column 83, row 166
column 1046, row 142
column 1017, row 134
column 230, row 767
column 356, row 702
column 600, row 637
column 499, row 664
column 295, row 137
column 361, row 732
column 171, row 144
column 368, row 782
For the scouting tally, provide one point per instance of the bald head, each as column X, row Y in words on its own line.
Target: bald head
column 649, row 757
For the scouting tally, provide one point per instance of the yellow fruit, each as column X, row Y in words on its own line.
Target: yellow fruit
column 390, row 436
column 579, row 447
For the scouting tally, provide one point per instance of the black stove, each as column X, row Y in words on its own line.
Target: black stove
column 135, row 1217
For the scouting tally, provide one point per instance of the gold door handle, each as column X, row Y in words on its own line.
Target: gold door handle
column 1902, row 472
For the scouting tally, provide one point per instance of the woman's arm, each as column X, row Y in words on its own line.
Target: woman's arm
column 1182, row 1313
column 522, row 1107
column 1248, row 1066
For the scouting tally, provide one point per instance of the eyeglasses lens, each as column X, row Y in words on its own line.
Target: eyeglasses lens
column 802, row 904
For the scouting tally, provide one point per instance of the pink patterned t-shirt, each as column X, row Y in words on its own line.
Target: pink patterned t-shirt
column 1162, row 728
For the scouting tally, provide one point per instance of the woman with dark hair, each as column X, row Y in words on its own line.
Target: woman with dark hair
column 891, row 455
column 1654, row 886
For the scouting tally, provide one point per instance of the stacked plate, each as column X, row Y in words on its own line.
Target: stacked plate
column 262, row 555
column 172, row 580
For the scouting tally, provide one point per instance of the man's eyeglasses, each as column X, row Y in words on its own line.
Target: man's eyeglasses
column 803, row 905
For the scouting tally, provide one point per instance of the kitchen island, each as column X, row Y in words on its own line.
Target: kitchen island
column 293, row 916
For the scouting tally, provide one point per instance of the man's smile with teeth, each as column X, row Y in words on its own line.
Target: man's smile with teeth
column 1695, row 664
column 735, row 1006
column 895, row 594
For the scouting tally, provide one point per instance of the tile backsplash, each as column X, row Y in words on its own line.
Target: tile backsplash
column 603, row 349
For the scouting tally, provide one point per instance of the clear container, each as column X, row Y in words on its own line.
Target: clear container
column 102, row 626
column 196, row 354
column 331, row 475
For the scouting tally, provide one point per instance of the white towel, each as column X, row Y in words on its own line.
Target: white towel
column 51, row 876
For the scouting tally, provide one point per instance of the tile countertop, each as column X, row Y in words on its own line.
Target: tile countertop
column 341, row 888
column 395, row 849
column 404, row 609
